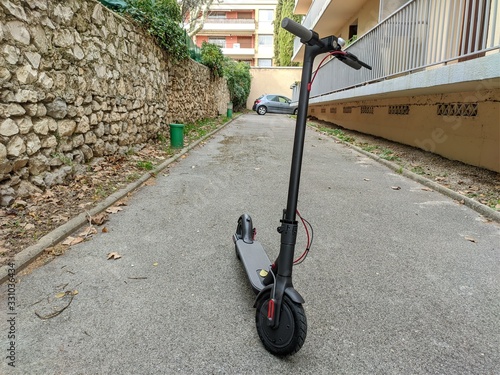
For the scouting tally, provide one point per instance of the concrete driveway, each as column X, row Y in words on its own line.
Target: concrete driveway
column 400, row 279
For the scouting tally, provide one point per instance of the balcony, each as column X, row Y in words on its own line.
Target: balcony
column 302, row 6
column 326, row 17
column 238, row 52
column 420, row 36
column 228, row 25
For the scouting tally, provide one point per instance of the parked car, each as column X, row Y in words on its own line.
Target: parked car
column 273, row 103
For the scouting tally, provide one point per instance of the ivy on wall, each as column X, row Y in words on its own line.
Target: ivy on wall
column 283, row 40
column 162, row 19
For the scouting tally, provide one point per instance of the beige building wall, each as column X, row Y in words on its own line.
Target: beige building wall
column 459, row 126
column 276, row 80
column 366, row 18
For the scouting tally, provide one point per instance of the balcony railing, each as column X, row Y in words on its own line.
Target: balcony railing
column 227, row 24
column 241, row 51
column 230, row 20
column 419, row 35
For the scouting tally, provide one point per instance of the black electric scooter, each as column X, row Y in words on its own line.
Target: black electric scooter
column 280, row 318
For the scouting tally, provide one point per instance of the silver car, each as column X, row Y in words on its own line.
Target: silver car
column 273, row 103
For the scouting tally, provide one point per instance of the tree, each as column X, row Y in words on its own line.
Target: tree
column 238, row 81
column 283, row 41
column 194, row 13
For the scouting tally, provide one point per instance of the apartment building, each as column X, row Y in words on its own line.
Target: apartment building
column 243, row 30
column 435, row 82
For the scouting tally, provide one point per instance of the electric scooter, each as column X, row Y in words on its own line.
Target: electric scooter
column 280, row 318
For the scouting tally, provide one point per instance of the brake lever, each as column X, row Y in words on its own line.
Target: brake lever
column 352, row 60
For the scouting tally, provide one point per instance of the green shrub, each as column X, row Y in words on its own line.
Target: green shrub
column 238, row 82
column 162, row 19
column 212, row 57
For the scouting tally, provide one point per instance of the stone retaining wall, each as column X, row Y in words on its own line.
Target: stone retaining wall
column 78, row 82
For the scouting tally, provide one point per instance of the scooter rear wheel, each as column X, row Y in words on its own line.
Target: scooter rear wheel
column 289, row 337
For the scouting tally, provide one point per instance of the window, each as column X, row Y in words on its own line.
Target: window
column 244, row 15
column 245, row 41
column 265, row 63
column 281, row 99
column 266, row 15
column 218, row 41
column 216, row 15
column 266, row 40
column 353, row 29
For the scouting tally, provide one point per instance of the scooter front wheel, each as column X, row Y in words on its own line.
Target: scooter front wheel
column 291, row 333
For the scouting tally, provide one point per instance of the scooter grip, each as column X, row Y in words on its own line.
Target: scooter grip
column 297, row 29
column 353, row 64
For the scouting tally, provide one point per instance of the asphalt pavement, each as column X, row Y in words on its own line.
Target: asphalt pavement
column 400, row 279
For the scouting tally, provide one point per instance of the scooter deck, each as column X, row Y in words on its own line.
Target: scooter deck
column 254, row 259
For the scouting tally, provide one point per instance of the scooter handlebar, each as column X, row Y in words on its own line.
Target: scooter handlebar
column 310, row 37
column 297, row 29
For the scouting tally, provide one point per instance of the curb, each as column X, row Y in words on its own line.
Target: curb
column 480, row 208
column 28, row 255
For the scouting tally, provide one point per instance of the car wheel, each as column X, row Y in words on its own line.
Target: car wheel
column 295, row 111
column 262, row 110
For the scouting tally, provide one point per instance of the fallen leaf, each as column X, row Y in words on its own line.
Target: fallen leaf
column 87, row 232
column 59, row 218
column 70, row 241
column 99, row 219
column 74, row 292
column 366, row 179
column 104, row 230
column 155, row 263
column 470, row 239
column 29, row 226
column 114, row 255
column 396, row 187
column 19, row 203
column 60, row 295
column 113, row 210
column 57, row 250
column 426, row 189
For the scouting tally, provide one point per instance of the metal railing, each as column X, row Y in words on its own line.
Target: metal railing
column 230, row 20
column 420, row 34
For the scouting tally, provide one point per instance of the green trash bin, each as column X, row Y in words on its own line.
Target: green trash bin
column 177, row 135
column 230, row 110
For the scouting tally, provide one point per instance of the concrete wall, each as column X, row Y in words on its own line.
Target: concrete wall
column 275, row 80
column 78, row 82
column 460, row 126
column 367, row 17
column 428, row 109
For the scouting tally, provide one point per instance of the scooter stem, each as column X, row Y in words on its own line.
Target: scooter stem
column 289, row 223
column 300, row 130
